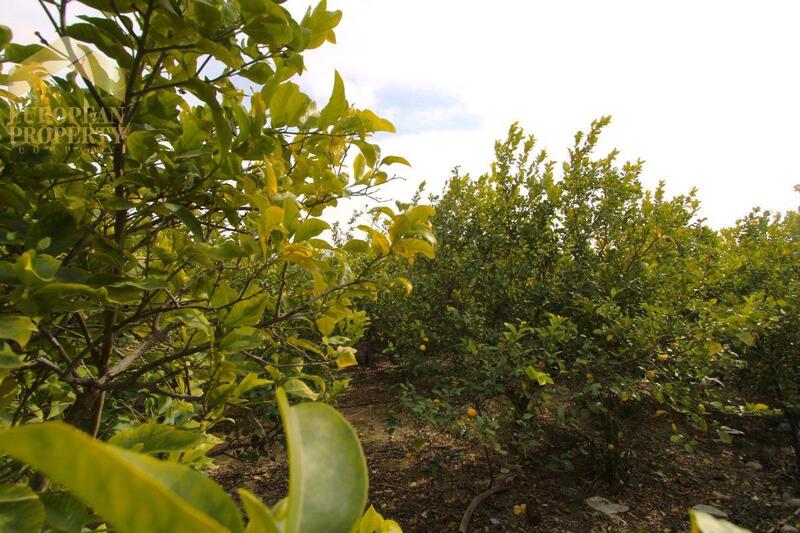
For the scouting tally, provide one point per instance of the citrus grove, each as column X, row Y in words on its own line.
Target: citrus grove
column 173, row 289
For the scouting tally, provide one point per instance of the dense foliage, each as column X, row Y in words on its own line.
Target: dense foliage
column 163, row 251
column 583, row 297
column 167, row 496
column 763, row 264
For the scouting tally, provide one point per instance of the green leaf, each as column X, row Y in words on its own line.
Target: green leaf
column 54, row 231
column 154, row 438
column 17, row 53
column 420, row 213
column 370, row 522
column 395, row 159
column 359, row 165
column 187, row 218
column 177, row 498
column 326, row 323
column 298, row 387
column 205, row 92
column 746, row 337
column 32, row 269
column 16, row 328
column 9, row 359
column 310, row 228
column 369, row 151
column 357, row 246
column 373, row 522
column 372, row 122
column 194, row 318
column 248, row 312
column 5, row 36
column 141, row 145
column 223, row 251
column 337, row 105
column 64, row 511
column 244, row 338
column 20, row 510
column 259, row 73
column 409, row 248
column 538, row 376
column 327, row 468
column 287, row 105
column 259, row 517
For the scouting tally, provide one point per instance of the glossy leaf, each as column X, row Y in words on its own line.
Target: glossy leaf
column 155, row 438
column 178, row 498
column 260, row 519
column 327, row 469
column 17, row 328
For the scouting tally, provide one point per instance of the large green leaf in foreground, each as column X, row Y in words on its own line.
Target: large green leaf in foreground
column 327, row 469
column 134, row 492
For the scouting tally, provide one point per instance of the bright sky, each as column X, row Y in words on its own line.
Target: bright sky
column 707, row 93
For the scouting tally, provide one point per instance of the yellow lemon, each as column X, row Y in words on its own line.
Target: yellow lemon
column 422, row 347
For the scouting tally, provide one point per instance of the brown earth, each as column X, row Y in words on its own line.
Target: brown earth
column 425, row 479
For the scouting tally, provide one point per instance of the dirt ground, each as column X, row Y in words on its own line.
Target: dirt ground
column 425, row 479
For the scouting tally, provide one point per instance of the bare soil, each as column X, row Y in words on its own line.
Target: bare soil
column 425, row 479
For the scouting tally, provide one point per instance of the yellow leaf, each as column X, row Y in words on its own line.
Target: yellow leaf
column 714, row 348
column 270, row 179
column 346, row 357
column 404, row 283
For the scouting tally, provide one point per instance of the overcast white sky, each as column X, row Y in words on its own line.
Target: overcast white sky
column 707, row 93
